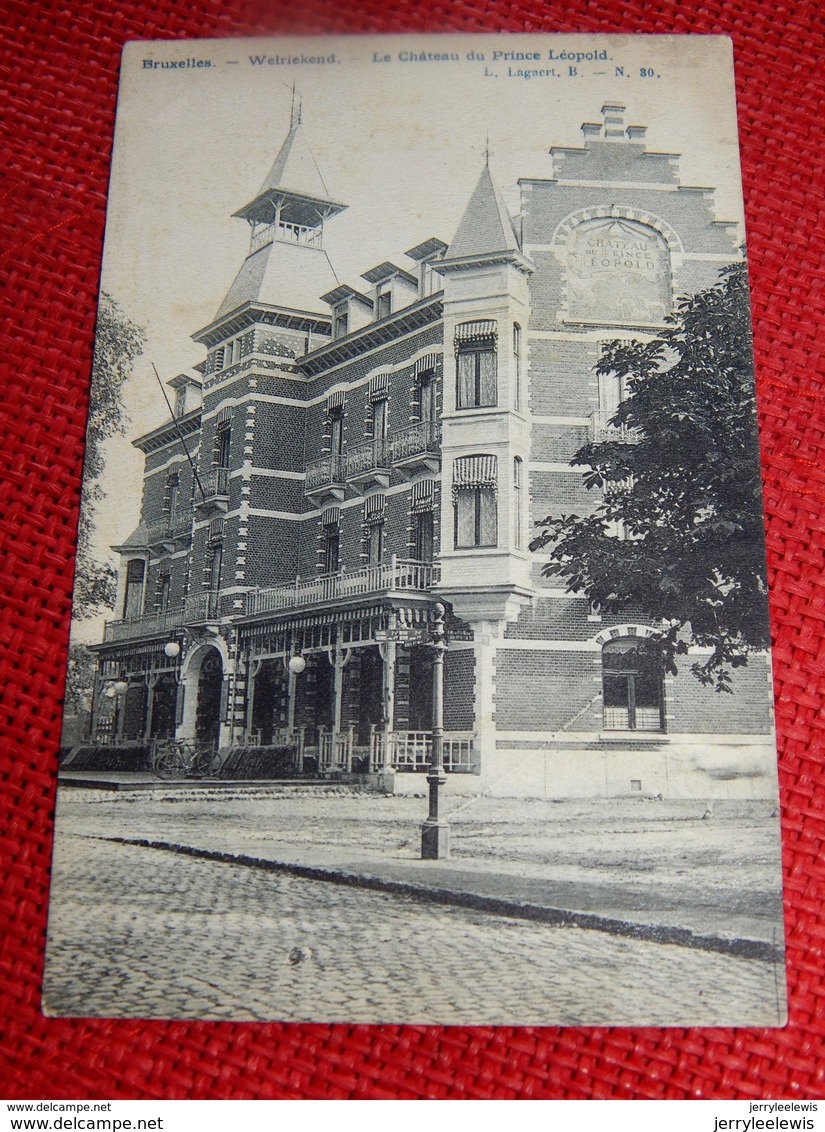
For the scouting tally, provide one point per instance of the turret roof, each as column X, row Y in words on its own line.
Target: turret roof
column 486, row 225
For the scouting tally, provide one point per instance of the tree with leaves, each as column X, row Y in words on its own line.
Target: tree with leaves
column 676, row 534
column 118, row 344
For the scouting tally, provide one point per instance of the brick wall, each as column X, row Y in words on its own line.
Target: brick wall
column 459, row 689
column 537, row 690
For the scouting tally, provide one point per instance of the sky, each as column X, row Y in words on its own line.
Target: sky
column 402, row 143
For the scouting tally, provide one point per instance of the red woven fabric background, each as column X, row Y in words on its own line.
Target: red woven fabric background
column 58, row 70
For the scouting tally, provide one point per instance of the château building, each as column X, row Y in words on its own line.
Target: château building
column 349, row 455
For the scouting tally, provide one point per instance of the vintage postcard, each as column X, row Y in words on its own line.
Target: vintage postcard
column 420, row 667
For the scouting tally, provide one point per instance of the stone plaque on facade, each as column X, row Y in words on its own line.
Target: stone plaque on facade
column 618, row 271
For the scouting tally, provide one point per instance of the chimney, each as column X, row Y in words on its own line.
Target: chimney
column 613, row 117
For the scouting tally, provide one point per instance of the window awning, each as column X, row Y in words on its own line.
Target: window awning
column 422, row 496
column 471, row 472
column 480, row 330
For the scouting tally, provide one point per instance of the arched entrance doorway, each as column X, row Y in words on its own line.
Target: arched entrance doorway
column 208, row 711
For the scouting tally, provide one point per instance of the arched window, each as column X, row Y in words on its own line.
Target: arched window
column 475, row 484
column 632, row 687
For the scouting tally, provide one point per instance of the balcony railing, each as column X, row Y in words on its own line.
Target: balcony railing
column 172, row 526
column 199, row 607
column 385, row 577
column 203, row 606
column 295, row 233
column 412, row 751
column 152, row 624
column 367, row 458
column 215, row 483
column 327, row 470
column 415, row 440
column 601, row 429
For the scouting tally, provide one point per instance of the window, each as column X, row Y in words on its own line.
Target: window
column 215, row 566
column 133, row 595
column 331, row 548
column 180, row 402
column 423, row 536
column 164, row 592
column 631, row 686
column 475, row 518
column 427, row 398
column 476, row 369
column 517, row 364
column 378, row 414
column 476, row 378
column 341, row 324
column 223, row 445
column 517, row 495
column 336, row 432
column 612, row 391
column 172, row 492
column 375, row 543
column 474, row 501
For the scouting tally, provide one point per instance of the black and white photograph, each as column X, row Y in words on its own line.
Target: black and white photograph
column 420, row 664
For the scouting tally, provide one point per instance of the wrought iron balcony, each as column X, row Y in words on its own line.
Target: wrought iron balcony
column 170, row 527
column 215, row 486
column 601, row 429
column 150, row 625
column 397, row 575
column 326, row 478
column 417, row 447
column 369, row 464
column 203, row 606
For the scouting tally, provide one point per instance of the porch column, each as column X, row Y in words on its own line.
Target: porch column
column 389, row 699
column 291, row 688
column 338, row 663
column 151, row 682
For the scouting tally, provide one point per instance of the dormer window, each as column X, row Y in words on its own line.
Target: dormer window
column 180, row 402
column 383, row 303
column 340, row 326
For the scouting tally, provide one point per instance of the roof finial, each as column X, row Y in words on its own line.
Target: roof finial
column 487, row 150
column 295, row 109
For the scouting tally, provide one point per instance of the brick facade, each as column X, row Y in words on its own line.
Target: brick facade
column 340, row 472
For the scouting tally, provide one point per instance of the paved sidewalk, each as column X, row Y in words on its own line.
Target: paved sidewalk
column 506, row 893
column 650, row 871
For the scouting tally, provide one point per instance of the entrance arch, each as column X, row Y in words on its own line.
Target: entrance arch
column 202, row 678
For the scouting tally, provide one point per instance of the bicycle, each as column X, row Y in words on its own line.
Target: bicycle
column 185, row 758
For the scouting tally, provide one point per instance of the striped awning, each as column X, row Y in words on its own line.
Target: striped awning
column 379, row 387
column 481, row 329
column 335, row 401
column 216, row 529
column 223, row 415
column 427, row 364
column 330, row 516
column 374, row 506
column 422, row 496
column 475, row 471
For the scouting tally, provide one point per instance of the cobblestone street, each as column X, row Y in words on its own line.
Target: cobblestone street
column 140, row 932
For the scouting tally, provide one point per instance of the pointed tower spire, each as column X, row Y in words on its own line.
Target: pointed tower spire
column 286, row 265
column 486, row 227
